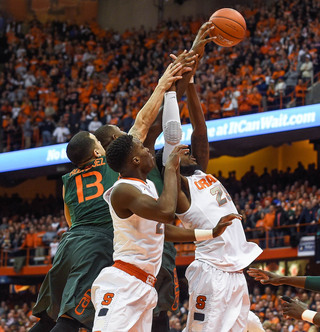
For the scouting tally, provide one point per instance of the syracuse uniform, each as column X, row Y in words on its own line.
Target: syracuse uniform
column 124, row 294
column 219, row 299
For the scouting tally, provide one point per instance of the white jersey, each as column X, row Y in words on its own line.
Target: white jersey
column 137, row 241
column 209, row 202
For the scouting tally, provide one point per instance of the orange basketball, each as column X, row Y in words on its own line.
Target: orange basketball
column 230, row 27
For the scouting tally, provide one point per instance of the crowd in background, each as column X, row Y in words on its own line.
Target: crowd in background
column 59, row 78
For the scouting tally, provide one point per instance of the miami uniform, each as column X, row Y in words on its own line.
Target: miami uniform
column 124, row 294
column 219, row 299
column 167, row 284
column 84, row 250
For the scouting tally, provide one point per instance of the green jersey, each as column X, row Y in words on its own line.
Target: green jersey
column 155, row 176
column 84, row 188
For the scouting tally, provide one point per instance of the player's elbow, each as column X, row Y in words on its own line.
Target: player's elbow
column 168, row 216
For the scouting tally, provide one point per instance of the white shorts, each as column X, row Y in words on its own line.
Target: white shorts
column 218, row 302
column 254, row 323
column 122, row 302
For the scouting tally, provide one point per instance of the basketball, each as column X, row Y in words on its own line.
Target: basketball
column 230, row 27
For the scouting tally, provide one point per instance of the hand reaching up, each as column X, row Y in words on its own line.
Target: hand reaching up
column 201, row 39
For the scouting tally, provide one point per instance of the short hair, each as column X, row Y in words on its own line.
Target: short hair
column 119, row 151
column 104, row 135
column 80, row 148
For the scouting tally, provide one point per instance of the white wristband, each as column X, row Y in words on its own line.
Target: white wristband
column 203, row 234
column 191, row 79
column 308, row 315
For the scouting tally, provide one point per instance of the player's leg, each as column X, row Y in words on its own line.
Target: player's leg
column 241, row 298
column 167, row 287
column 160, row 323
column 92, row 251
column 45, row 324
column 51, row 285
column 144, row 323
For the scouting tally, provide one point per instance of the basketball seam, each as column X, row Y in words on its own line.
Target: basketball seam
column 227, row 32
column 231, row 19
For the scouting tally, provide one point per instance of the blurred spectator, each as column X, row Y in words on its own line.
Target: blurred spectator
column 94, row 124
column 47, row 128
column 49, row 235
column 61, row 134
column 306, row 69
column 291, row 80
column 307, row 217
column 27, row 132
column 53, row 247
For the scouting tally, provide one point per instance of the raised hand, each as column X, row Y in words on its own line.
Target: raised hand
column 170, row 76
column 223, row 223
column 174, row 157
column 187, row 59
column 265, row 277
column 201, row 39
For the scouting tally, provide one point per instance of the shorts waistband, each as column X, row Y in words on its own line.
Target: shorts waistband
column 216, row 268
column 91, row 229
column 136, row 272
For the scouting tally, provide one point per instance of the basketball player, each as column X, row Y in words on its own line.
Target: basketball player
column 123, row 294
column 72, row 303
column 87, row 248
column 167, row 285
column 219, row 299
column 291, row 308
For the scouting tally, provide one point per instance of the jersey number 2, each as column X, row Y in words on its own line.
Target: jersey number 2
column 159, row 229
column 97, row 183
column 218, row 191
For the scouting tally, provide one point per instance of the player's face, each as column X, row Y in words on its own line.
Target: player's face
column 188, row 164
column 147, row 161
column 188, row 159
column 117, row 132
column 98, row 147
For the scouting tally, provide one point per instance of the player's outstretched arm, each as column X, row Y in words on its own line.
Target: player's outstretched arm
column 266, row 277
column 178, row 234
column 154, row 131
column 199, row 137
column 149, row 112
column 187, row 60
column 127, row 199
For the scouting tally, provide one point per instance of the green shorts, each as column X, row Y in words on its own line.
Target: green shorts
column 167, row 284
column 82, row 253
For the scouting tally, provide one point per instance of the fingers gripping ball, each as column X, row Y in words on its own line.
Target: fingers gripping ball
column 230, row 27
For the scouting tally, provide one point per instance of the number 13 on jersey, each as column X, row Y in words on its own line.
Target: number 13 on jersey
column 96, row 183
